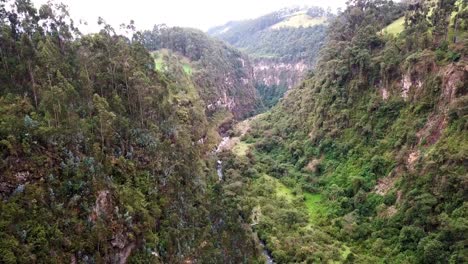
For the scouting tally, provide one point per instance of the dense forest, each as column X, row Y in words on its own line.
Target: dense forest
column 100, row 153
column 259, row 37
column 366, row 160
column 110, row 143
column 222, row 74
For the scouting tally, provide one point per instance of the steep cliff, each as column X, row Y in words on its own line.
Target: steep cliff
column 102, row 156
column 365, row 161
column 274, row 72
column 223, row 75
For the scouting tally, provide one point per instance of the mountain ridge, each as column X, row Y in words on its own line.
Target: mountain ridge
column 110, row 153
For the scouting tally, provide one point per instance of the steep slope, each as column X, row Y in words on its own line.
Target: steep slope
column 283, row 45
column 365, row 162
column 100, row 155
column 222, row 74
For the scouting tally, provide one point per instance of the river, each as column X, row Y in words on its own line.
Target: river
column 219, row 163
column 266, row 253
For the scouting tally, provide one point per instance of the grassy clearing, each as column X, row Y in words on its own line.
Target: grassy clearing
column 396, row 27
column 314, row 205
column 163, row 58
column 280, row 189
column 313, row 202
column 300, row 20
column 285, row 192
column 241, row 149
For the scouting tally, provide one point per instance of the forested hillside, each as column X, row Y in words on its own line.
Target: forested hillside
column 283, row 45
column 366, row 160
column 293, row 33
column 102, row 156
column 222, row 75
column 110, row 144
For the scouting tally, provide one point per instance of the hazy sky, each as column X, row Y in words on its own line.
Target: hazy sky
column 201, row 14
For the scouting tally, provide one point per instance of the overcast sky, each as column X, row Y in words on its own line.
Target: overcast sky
column 201, row 14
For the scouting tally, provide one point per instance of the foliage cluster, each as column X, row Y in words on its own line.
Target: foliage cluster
column 99, row 153
column 376, row 134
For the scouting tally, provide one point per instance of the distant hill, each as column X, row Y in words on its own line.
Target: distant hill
column 300, row 20
column 283, row 45
column 289, row 33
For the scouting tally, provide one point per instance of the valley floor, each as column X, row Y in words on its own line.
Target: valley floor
column 278, row 205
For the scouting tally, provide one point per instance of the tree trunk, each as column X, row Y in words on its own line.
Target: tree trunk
column 102, row 135
column 455, row 28
column 33, row 82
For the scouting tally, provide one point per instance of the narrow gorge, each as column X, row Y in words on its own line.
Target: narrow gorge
column 305, row 135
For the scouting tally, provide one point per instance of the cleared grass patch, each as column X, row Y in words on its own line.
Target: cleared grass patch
column 396, row 27
column 300, row 20
column 241, row 149
column 163, row 58
column 312, row 202
column 281, row 190
column 315, row 207
column 345, row 252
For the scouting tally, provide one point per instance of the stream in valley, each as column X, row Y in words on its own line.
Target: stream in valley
column 219, row 163
column 219, row 169
column 266, row 253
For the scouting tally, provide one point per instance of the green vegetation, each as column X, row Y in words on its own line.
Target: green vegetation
column 221, row 74
column 300, row 20
column 241, row 149
column 315, row 206
column 283, row 45
column 188, row 69
column 396, row 27
column 166, row 62
column 288, row 44
column 100, row 160
column 279, row 188
column 106, row 149
column 270, row 95
column 458, row 24
column 370, row 150
column 158, row 62
column 280, row 213
column 285, row 35
column 162, row 62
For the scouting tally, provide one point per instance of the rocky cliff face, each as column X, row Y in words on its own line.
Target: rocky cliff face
column 381, row 133
column 229, row 86
column 223, row 76
column 270, row 72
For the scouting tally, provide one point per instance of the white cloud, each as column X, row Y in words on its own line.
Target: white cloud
column 200, row 14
